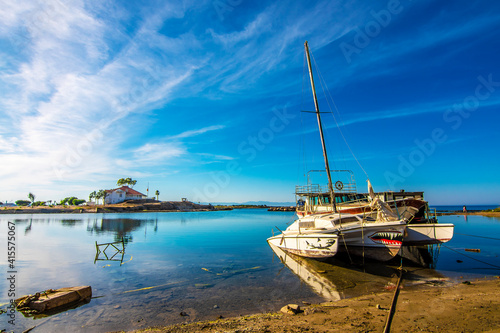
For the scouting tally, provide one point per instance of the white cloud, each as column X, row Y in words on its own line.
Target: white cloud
column 65, row 106
column 192, row 133
column 153, row 153
column 169, row 149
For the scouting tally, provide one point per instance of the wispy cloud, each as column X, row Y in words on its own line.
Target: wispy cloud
column 437, row 31
column 191, row 133
column 169, row 149
column 63, row 105
column 83, row 85
column 152, row 153
column 264, row 42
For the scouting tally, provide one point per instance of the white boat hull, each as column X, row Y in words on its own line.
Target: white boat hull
column 378, row 242
column 313, row 245
column 428, row 233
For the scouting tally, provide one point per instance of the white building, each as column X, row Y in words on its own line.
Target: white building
column 121, row 194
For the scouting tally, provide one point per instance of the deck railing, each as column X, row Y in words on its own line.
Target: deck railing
column 323, row 189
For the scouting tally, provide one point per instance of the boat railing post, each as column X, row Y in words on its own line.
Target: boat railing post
column 397, row 210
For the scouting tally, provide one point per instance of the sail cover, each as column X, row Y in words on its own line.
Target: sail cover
column 384, row 211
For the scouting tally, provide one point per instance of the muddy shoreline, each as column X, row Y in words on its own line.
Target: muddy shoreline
column 137, row 206
column 469, row 306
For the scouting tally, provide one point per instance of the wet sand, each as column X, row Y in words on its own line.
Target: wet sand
column 462, row 307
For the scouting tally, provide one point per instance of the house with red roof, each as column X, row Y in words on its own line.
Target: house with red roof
column 123, row 193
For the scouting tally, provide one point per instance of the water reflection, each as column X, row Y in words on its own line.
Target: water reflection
column 71, row 222
column 28, row 228
column 335, row 279
column 193, row 262
column 121, row 228
column 115, row 251
column 424, row 256
column 305, row 269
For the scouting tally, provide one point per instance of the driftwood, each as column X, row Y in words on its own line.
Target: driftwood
column 52, row 299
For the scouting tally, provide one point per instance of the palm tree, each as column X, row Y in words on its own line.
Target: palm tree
column 157, row 193
column 31, row 196
column 92, row 195
column 101, row 194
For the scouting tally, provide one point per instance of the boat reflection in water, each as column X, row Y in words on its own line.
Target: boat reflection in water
column 334, row 279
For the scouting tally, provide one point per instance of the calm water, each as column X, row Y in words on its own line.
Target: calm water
column 204, row 264
column 470, row 208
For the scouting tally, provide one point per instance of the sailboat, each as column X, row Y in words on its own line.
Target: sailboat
column 377, row 234
column 315, row 198
column 422, row 228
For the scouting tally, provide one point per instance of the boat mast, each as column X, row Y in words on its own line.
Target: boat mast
column 327, row 166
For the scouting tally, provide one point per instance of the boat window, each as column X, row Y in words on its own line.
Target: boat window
column 348, row 219
column 313, row 201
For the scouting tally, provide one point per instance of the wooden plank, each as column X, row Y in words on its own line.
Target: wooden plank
column 60, row 297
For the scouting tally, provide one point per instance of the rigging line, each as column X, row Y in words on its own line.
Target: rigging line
column 325, row 89
column 323, row 83
column 335, row 119
column 302, row 125
column 484, row 262
column 456, row 233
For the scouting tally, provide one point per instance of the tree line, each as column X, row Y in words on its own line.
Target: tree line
column 74, row 201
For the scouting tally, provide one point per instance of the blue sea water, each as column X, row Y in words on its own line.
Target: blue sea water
column 458, row 208
column 203, row 264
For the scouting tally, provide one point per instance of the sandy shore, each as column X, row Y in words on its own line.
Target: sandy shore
column 462, row 307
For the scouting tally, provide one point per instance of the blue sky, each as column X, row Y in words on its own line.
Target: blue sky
column 203, row 99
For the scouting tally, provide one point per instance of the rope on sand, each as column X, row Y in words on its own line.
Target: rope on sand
column 387, row 327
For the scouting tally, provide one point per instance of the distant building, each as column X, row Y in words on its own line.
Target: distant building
column 123, row 193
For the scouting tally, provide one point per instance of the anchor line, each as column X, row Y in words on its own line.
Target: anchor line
column 345, row 245
column 484, row 262
column 456, row 233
